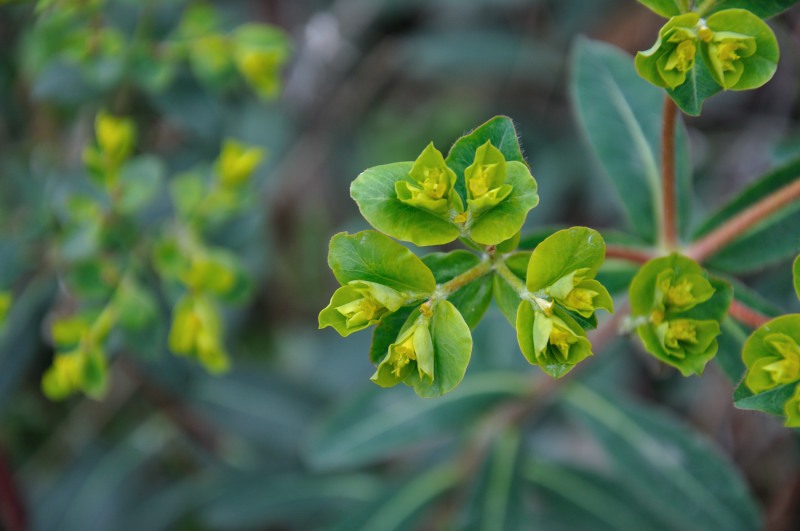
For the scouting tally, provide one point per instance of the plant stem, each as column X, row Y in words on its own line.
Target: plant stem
column 470, row 275
column 747, row 315
column 739, row 224
column 513, row 280
column 629, row 254
column 669, row 224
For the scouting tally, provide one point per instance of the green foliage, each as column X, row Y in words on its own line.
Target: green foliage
column 428, row 346
column 796, row 275
column 677, row 309
column 697, row 55
column 665, row 8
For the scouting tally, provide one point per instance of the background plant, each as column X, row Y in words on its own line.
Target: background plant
column 369, row 87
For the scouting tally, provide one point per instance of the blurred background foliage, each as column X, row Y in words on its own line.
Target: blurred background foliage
column 294, row 436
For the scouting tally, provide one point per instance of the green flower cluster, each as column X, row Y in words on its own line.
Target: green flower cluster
column 734, row 46
column 678, row 309
column 423, row 309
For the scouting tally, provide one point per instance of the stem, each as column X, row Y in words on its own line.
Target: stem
column 669, row 226
column 458, row 282
column 747, row 315
column 513, row 280
column 629, row 254
column 746, row 219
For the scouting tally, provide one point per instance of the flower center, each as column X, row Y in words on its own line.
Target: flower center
column 435, row 183
column 480, row 180
column 680, row 330
column 562, row 340
column 405, row 353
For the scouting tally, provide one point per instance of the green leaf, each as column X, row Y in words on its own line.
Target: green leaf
column 796, row 275
column 374, row 192
column 663, row 462
column 621, row 115
column 772, row 401
column 381, row 423
column 563, row 253
column 472, row 300
column 373, row 257
column 386, row 332
column 140, row 180
column 729, row 355
column 188, row 191
column 762, row 8
column 698, row 87
column 758, row 57
column 772, row 240
column 452, row 347
column 135, row 305
column 540, row 337
column 507, row 298
column 499, row 131
column 496, row 501
column 665, row 8
column 506, row 219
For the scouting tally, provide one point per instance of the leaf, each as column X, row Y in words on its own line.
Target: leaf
column 452, row 348
column 729, row 355
column 381, row 423
column 140, row 180
column 563, row 253
column 386, row 332
column 698, row 87
column 757, row 68
column 496, row 501
column 665, row 8
column 755, row 348
column 499, row 131
column 621, row 116
column 796, row 275
column 472, row 300
column 762, row 8
column 507, row 218
column 373, row 257
column 374, row 192
column 582, row 498
column 401, row 510
column 772, row 240
column 507, row 298
column 664, row 463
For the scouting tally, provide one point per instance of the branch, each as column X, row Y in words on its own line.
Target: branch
column 746, row 219
column 669, row 224
column 747, row 315
column 629, row 254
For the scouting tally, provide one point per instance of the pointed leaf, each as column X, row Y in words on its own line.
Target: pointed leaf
column 762, row 8
column 698, row 87
column 796, row 275
column 665, row 8
column 563, row 253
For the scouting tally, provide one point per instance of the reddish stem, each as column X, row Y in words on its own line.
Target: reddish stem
column 630, row 254
column 670, row 223
column 746, row 219
column 747, row 315
column 12, row 510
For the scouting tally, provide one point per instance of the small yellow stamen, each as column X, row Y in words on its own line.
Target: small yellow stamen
column 581, row 298
column 562, row 340
column 481, row 179
column 405, row 353
column 680, row 330
column 705, row 34
column 680, row 294
column 435, row 183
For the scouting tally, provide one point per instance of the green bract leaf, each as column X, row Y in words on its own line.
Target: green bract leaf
column 473, row 299
column 387, row 331
column 772, row 354
column 372, row 257
column 501, row 221
column 554, row 343
column 673, row 55
column 506, row 298
column 499, row 131
column 796, row 275
column 430, row 186
column 622, row 115
column 140, row 179
column 135, row 305
column 741, row 51
column 431, row 353
column 762, row 8
column 681, row 309
column 665, row 8
column 375, row 193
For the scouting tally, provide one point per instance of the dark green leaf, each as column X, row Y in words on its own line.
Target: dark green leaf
column 771, row 401
column 762, row 8
column 796, row 275
column 386, row 332
column 663, row 462
column 665, row 8
column 473, row 299
column 621, row 116
column 506, row 219
column 698, row 87
column 381, row 423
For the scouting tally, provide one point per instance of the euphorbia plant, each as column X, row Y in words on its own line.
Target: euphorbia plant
column 679, row 298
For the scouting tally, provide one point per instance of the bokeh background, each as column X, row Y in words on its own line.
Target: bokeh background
column 295, row 436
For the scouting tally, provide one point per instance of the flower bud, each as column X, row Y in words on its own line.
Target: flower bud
column 412, row 351
column 485, row 179
column 432, row 188
column 358, row 305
